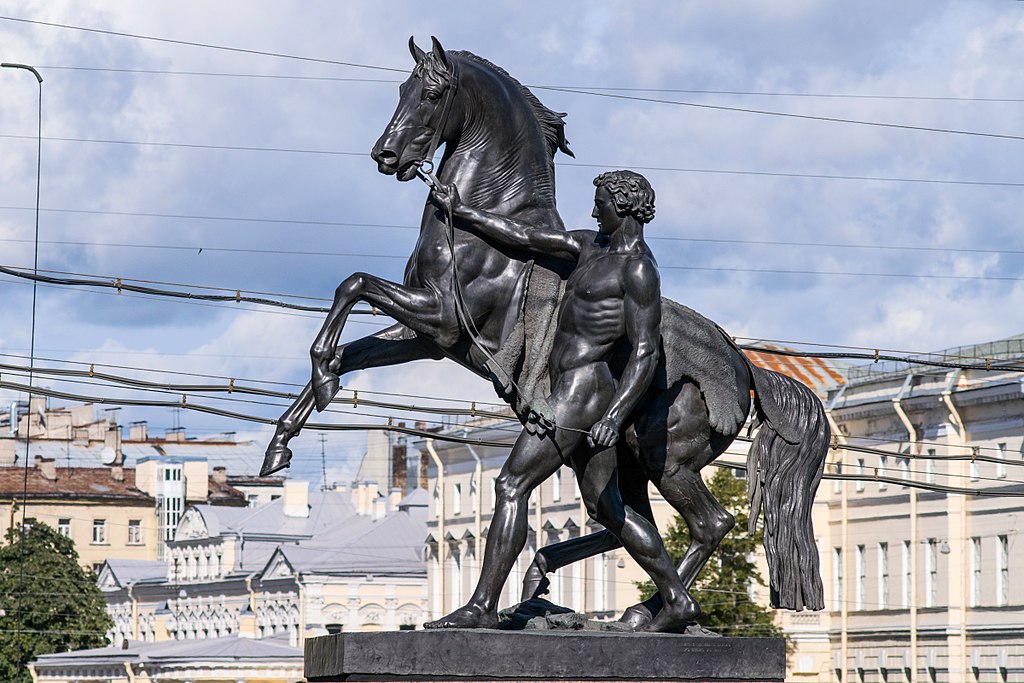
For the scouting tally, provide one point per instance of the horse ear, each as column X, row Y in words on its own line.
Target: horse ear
column 439, row 52
column 417, row 53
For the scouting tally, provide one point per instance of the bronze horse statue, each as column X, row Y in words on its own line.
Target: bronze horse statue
column 491, row 311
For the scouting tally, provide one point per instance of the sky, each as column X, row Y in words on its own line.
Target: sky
column 778, row 227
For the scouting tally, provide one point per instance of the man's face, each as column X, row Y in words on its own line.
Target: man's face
column 608, row 218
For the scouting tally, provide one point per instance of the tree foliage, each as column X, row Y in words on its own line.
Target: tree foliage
column 49, row 602
column 722, row 588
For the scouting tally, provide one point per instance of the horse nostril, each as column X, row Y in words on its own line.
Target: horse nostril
column 386, row 157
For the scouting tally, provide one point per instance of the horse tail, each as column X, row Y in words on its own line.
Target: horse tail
column 784, row 468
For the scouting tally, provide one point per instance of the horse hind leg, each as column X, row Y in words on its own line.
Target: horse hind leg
column 633, row 488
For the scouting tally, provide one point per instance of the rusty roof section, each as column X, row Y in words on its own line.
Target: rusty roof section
column 820, row 374
column 83, row 484
column 223, row 493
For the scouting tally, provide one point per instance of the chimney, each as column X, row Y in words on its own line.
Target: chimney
column 8, row 451
column 47, row 467
column 296, row 499
column 220, row 475
column 380, row 507
column 117, row 472
column 138, row 431
column 112, row 440
column 176, row 435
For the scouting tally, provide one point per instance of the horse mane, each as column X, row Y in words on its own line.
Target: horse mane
column 552, row 123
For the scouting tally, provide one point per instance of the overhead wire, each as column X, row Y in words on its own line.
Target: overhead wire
column 559, row 162
column 577, row 91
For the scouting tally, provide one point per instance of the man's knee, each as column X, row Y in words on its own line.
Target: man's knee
column 510, row 486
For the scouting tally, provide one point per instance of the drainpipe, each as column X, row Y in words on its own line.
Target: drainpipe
column 913, row 435
column 135, row 611
column 301, row 635
column 129, row 672
column 844, row 543
column 957, row 531
column 478, row 475
column 441, row 514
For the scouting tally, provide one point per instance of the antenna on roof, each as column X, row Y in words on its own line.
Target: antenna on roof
column 323, row 462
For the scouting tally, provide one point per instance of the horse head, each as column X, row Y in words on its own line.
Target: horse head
column 419, row 121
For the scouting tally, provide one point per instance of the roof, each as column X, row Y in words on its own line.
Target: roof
column 390, row 545
column 222, row 493
column 232, row 649
column 819, row 374
column 326, row 510
column 119, row 573
column 80, row 483
column 244, row 455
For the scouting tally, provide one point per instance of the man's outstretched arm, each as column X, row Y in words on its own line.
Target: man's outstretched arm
column 642, row 311
column 505, row 231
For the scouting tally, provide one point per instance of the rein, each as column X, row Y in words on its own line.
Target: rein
column 425, row 172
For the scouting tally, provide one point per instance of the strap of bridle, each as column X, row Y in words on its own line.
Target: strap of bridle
column 445, row 110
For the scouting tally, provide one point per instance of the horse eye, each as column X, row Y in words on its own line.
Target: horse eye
column 431, row 94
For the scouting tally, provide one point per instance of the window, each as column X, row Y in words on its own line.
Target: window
column 904, row 470
column 457, row 499
column 837, row 579
column 929, row 467
column 883, row 575
column 97, row 567
column 860, row 473
column 474, row 498
column 907, row 569
column 556, row 486
column 975, row 592
column 1001, row 465
column 1002, row 571
column 931, row 569
column 862, row 578
column 837, row 485
column 252, row 499
column 64, row 527
column 99, row 531
column 883, row 467
column 134, row 531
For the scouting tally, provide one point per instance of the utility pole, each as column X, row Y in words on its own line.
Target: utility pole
column 323, row 462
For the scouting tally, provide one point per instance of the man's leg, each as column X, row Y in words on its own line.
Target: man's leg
column 533, row 460
column 598, row 477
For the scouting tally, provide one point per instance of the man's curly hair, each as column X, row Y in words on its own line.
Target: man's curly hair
column 632, row 194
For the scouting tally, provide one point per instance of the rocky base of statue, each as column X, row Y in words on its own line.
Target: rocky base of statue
column 539, row 614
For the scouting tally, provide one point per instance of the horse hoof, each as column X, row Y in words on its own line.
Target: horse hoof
column 277, row 458
column 325, row 388
column 637, row 617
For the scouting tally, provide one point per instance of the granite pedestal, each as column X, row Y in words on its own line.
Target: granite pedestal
column 536, row 656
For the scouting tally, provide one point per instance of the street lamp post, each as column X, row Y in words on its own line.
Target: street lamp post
column 32, row 337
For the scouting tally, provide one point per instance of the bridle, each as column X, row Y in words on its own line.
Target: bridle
column 441, row 115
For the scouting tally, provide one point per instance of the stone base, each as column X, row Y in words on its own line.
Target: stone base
column 535, row 656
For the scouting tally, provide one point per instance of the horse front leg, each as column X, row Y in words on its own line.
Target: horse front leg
column 419, row 309
column 393, row 346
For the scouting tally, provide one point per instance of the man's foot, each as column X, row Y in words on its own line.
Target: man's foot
column 278, row 456
column 674, row 615
column 465, row 617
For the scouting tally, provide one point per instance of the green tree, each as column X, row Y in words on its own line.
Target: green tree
column 721, row 589
column 48, row 602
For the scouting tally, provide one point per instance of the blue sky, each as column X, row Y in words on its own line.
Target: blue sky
column 930, row 64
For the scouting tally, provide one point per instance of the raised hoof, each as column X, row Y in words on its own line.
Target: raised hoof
column 277, row 458
column 325, row 388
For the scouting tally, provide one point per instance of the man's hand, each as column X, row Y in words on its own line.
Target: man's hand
column 446, row 198
column 605, row 433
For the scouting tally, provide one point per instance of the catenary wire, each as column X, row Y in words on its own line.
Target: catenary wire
column 559, row 163
column 577, row 91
